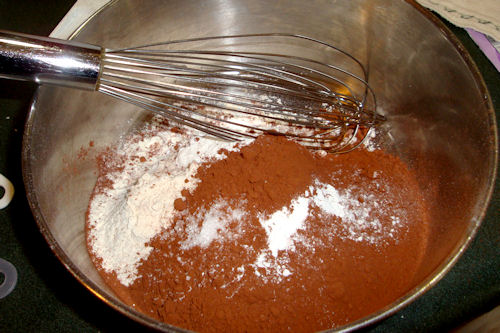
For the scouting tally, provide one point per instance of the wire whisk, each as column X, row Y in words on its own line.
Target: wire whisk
column 230, row 87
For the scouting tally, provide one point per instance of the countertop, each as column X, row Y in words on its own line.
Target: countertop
column 48, row 298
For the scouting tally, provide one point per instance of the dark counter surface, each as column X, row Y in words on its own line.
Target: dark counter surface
column 49, row 299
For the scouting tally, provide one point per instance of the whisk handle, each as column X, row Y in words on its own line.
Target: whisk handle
column 49, row 60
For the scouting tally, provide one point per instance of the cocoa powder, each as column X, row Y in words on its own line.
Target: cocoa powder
column 330, row 279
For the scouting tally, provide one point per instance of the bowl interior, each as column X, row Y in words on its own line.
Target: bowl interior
column 440, row 115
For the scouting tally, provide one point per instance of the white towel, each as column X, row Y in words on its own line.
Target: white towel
column 480, row 15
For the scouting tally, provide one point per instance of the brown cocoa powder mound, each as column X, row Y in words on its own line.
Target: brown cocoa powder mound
column 217, row 288
column 268, row 174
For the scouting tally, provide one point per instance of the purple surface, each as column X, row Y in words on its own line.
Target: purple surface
column 486, row 46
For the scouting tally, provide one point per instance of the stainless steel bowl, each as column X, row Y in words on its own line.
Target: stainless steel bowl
column 441, row 119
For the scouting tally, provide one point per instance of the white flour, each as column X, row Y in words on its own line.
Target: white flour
column 141, row 201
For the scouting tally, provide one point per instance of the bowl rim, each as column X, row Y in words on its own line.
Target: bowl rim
column 433, row 278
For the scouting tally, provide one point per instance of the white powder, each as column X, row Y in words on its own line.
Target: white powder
column 356, row 214
column 275, row 268
column 141, row 201
column 369, row 142
column 328, row 199
column 283, row 224
column 358, row 224
column 214, row 224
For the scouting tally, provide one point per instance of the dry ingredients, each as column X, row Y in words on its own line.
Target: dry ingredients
column 262, row 235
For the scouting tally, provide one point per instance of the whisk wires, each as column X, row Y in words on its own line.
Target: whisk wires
column 242, row 86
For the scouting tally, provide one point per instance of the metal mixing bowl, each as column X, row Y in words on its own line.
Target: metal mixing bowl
column 441, row 119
